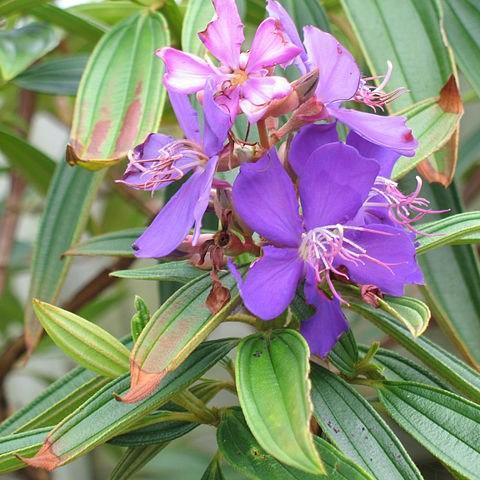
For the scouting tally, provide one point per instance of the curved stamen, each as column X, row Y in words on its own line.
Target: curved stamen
column 374, row 96
column 402, row 209
column 321, row 246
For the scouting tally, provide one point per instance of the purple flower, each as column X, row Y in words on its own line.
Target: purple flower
column 340, row 81
column 242, row 80
column 334, row 181
column 161, row 160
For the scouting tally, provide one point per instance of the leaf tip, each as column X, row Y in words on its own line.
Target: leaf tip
column 45, row 458
column 450, row 100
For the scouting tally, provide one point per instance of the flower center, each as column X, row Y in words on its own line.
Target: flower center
column 322, row 247
column 172, row 162
column 239, row 77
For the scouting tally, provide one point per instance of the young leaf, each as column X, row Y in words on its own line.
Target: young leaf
column 26, row 443
column 173, row 331
column 397, row 367
column 140, row 318
column 108, row 12
column 451, row 230
column 445, row 424
column 59, row 76
column 31, row 163
column 345, row 354
column 21, row 47
column 88, row 344
column 102, row 417
column 213, row 471
column 356, row 429
column 13, row 6
column 459, row 375
column 242, row 451
column 273, row 388
column 115, row 244
column 104, row 128
column 134, row 459
column 177, row 271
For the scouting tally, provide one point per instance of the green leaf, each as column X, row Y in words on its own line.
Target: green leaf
column 173, row 331
column 26, row 443
column 213, row 471
column 105, row 126
column 345, row 353
column 20, row 47
column 178, row 271
column 73, row 24
column 243, row 452
column 198, row 14
column 68, row 203
column 452, row 277
column 88, row 344
column 140, row 318
column 134, row 459
column 106, row 12
column 411, row 312
column 445, row 424
column 451, row 230
column 13, row 6
column 356, row 429
column 305, row 12
column 462, row 24
column 115, row 244
column 102, row 417
column 272, row 383
column 59, row 76
column 31, row 163
column 397, row 367
column 432, row 126
column 458, row 374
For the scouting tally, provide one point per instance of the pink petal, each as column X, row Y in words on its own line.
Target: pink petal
column 270, row 47
column 339, row 74
column 185, row 73
column 224, row 34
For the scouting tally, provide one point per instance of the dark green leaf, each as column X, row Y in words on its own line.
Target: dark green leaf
column 357, row 430
column 445, row 424
column 243, row 452
column 345, row 354
column 31, row 163
column 59, row 76
column 213, row 471
column 13, row 6
column 271, row 373
column 306, row 12
column 134, row 459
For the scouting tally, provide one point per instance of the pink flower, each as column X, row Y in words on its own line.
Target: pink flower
column 243, row 79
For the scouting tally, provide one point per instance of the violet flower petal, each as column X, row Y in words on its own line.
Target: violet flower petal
column 270, row 47
column 308, row 139
column 229, row 101
column 265, row 199
column 393, row 247
column 224, row 34
column 271, row 282
column 385, row 157
column 186, row 115
column 185, row 73
column 323, row 329
column 336, row 182
column 339, row 75
column 174, row 220
column 390, row 132
column 258, row 92
column 276, row 10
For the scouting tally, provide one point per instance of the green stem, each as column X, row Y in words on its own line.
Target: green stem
column 194, row 405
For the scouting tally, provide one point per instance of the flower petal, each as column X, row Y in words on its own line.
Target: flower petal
column 137, row 178
column 229, row 101
column 270, row 47
column 174, row 220
column 339, row 75
column 308, row 139
column 264, row 197
column 217, row 122
column 394, row 248
column 185, row 73
column 385, row 157
column 276, row 10
column 224, row 34
column 391, row 132
column 258, row 92
column 335, row 184
column 186, row 115
column 271, row 282
column 323, row 329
